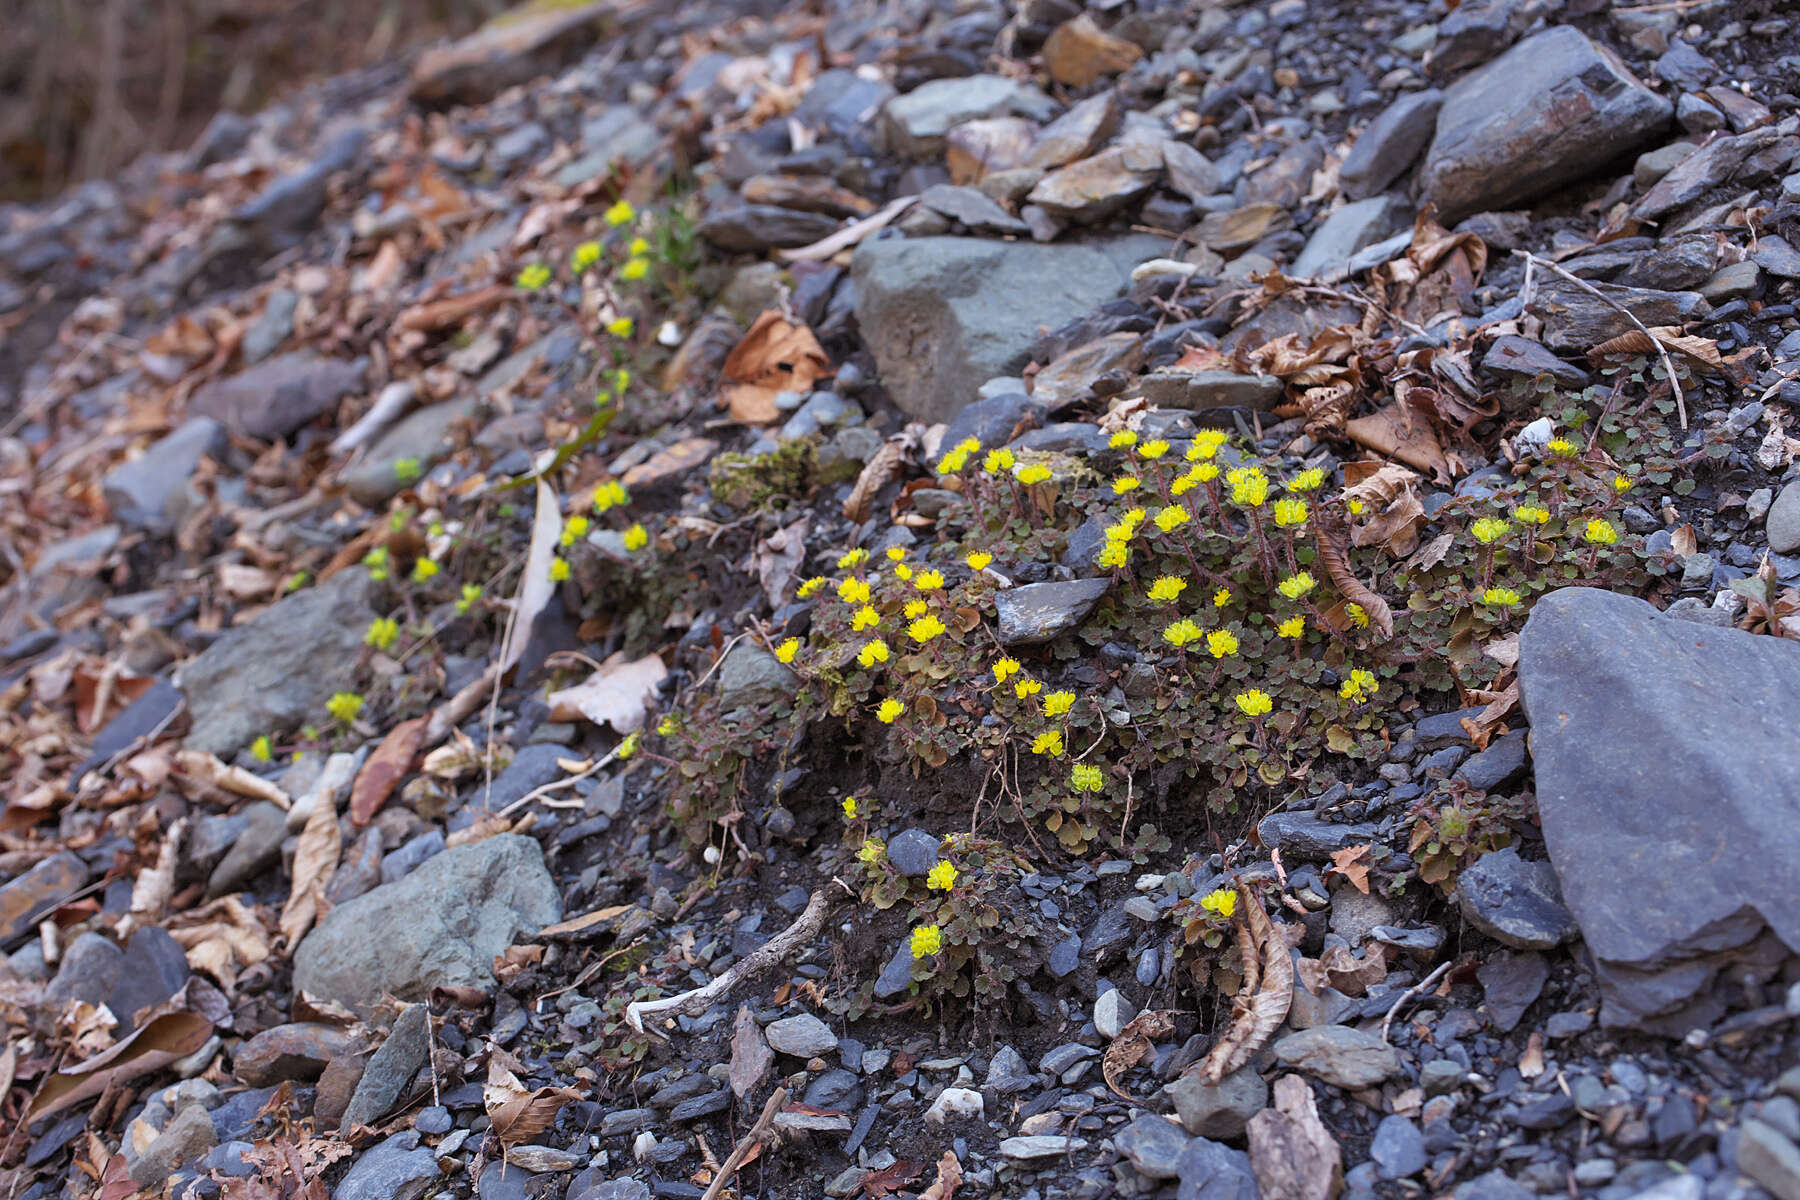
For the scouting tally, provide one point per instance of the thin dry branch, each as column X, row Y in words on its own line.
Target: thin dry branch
column 741, row 1151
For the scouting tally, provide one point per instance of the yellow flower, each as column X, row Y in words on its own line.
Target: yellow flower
column 1086, row 779
column 785, row 652
column 871, row 852
column 585, row 256
column 1297, row 586
column 669, row 725
column 997, row 461
column 889, row 711
column 262, row 749
column 1167, row 588
column 637, row 247
column 1293, row 627
column 471, row 592
column 1171, row 517
column 1122, row 440
column 1113, row 554
column 634, row 270
column 621, row 327
column 1050, row 743
column 1155, row 449
column 1032, row 473
column 1005, row 669
column 1289, row 512
column 620, row 213
column 636, row 538
column 1500, row 597
column 1356, row 614
column 864, row 618
column 344, row 706
column 1310, row 480
column 1561, row 447
column 574, row 529
column 872, row 652
column 377, row 562
column 896, row 553
column 903, row 571
column 628, row 747
column 929, row 581
column 1206, row 444
column 424, row 569
column 915, row 608
column 926, row 941
column 1489, row 530
column 811, row 587
column 533, row 277
column 1249, row 486
column 610, row 494
column 1360, row 686
column 559, row 569
column 1253, row 703
column 1027, row 687
column 1182, row 484
column 850, row 813
column 1181, row 633
column 925, row 628
column 953, row 461
column 1124, row 483
column 1600, row 532
column 1058, row 703
column 1222, row 597
column 1204, row 472
column 1222, row 902
column 1621, row 483
column 853, row 591
column 979, row 560
column 1532, row 514
column 1221, row 642
column 851, row 558
column 383, row 631
column 941, row 877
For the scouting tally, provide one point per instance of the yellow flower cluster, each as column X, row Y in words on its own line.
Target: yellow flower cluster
column 1361, row 685
column 1249, row 486
column 1221, row 902
column 957, row 457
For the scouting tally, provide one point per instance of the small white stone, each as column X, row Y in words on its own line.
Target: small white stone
column 955, row 1104
column 1111, row 1012
column 643, row 1146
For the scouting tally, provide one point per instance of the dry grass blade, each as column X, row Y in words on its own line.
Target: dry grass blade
column 1328, row 535
column 1137, row 1039
column 1262, row 1003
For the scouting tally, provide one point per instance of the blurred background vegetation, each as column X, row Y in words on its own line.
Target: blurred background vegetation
column 88, row 85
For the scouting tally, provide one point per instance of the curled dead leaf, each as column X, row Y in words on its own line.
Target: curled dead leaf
column 1136, row 1040
column 519, row 1115
column 159, row 1043
column 775, row 356
column 1261, row 1004
column 1328, row 535
column 385, row 769
column 613, row 695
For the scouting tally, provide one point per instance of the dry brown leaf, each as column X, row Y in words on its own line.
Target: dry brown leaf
column 1352, row 862
column 1531, row 1063
column 876, row 473
column 889, row 1180
column 206, row 769
column 1351, row 975
column 385, row 769
column 672, row 462
column 518, row 1115
column 775, row 356
column 1261, row 1005
column 1702, row 350
column 614, row 695
column 1328, row 536
column 151, row 890
column 220, row 937
column 1484, row 724
column 1136, row 1040
column 586, row 921
column 315, row 862
column 159, row 1043
column 1396, row 433
column 513, row 961
column 1291, row 1153
column 777, row 559
column 949, row 1178
column 1683, row 542
column 452, row 310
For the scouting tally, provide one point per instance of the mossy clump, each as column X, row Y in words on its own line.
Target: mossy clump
column 780, row 478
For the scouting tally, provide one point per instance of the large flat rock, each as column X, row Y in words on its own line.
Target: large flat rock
column 1553, row 108
column 945, row 314
column 1668, row 782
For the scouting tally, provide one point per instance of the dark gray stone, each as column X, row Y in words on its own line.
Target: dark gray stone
column 256, row 849
column 971, row 207
column 1339, row 1055
column 442, row 925
column 1219, row 1111
column 1398, row 1149
column 1575, row 321
column 917, row 122
column 153, row 969
column 140, row 491
column 1037, row 612
column 1515, row 902
column 397, row 1169
column 896, row 976
column 804, row 1036
column 1511, row 982
column 913, row 852
column 1523, row 356
column 390, row 1069
column 751, row 675
column 31, row 894
column 1389, row 145
column 1668, row 788
column 90, row 968
column 763, row 226
column 409, row 857
column 1153, row 1144
column 1503, row 763
column 1712, row 164
column 1475, row 32
column 277, row 396
column 944, row 314
column 1348, row 230
column 1783, row 521
column 185, row 1138
column 991, row 420
column 1546, row 112
column 1200, row 390
column 1303, row 835
column 277, row 671
column 423, row 437
column 1209, row 1170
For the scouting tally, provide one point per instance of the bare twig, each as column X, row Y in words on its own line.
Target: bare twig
column 1662, row 351
column 729, row 1168
column 1418, row 989
column 697, row 1000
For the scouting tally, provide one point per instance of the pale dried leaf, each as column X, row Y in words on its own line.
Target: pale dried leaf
column 778, row 558
column 1531, row 1063
column 1136, row 1040
column 614, row 695
column 949, row 1178
column 159, row 1043
column 1352, row 862
column 1683, row 542
column 1292, row 1154
column 1393, row 432
column 1702, row 350
column 315, row 862
column 207, row 769
column 775, row 356
column 151, row 891
column 1262, row 1004
column 535, row 585
column 1328, row 535
column 876, row 473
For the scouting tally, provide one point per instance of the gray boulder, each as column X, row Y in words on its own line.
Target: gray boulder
column 278, row 395
column 1348, row 230
column 1553, row 108
column 139, row 491
column 1668, row 783
column 423, row 437
column 917, row 122
column 441, row 925
column 945, row 314
column 1038, row 612
column 277, row 671
column 1390, row 143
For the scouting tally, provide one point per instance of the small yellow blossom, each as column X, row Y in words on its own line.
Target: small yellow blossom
column 811, row 587
column 953, row 461
column 1167, row 588
column 864, row 618
column 637, row 247
column 853, row 591
column 1600, row 532
column 669, row 725
column 1532, row 514
column 929, row 581
column 609, row 495
column 1005, row 669
column 997, row 461
column 1289, row 512
column 424, row 569
column 871, row 852
column 383, row 632
column 896, row 553
column 1621, row 483
column 850, row 811
column 926, row 941
column 1122, row 440
column 1357, row 614
column 1031, row 474
column 1050, row 743
column 262, row 749
column 1113, row 554
column 1027, row 687
column 785, row 652
column 1253, row 702
column 1297, row 586
column 1125, row 483
column 1171, row 517
column 471, row 592
column 942, row 877
column 1489, row 530
column 636, row 537
column 1153, row 449
column 377, row 562
column 925, row 628
column 852, row 558
column 1206, row 444
column 903, row 571
column 620, row 213
column 889, row 711
column 979, row 560
column 1293, row 627
column 1058, row 703
column 1221, row 643
column 873, row 651
column 585, row 256
column 1561, row 447
column 1360, row 686
column 1222, row 597
column 634, row 269
column 1310, row 480
column 344, row 706
column 915, row 608
column 621, row 327
column 628, row 747
column 1221, row 903
column 533, row 277
column 1500, row 597
column 574, row 529
column 1182, row 632
column 1249, row 486
column 1084, row 778
column 559, row 569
